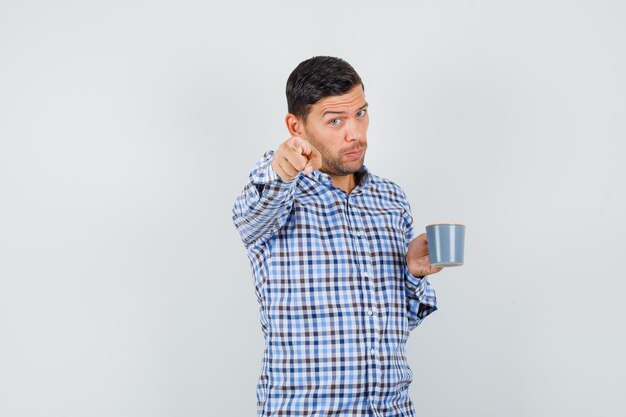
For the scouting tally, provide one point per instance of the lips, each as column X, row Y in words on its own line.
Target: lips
column 355, row 153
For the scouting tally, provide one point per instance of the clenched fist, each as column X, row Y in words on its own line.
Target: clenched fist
column 295, row 155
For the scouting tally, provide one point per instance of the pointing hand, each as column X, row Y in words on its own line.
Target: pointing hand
column 295, row 155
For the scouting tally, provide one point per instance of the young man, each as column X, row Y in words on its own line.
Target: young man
column 338, row 277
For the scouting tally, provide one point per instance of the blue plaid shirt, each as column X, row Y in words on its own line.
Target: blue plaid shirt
column 337, row 300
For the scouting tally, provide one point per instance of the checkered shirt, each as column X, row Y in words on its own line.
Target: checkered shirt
column 337, row 300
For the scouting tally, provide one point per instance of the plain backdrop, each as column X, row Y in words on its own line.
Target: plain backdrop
column 127, row 129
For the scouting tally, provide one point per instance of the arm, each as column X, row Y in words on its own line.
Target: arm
column 265, row 202
column 420, row 296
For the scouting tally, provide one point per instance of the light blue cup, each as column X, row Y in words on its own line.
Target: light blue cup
column 446, row 242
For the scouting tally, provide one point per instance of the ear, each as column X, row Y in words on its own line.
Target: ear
column 294, row 125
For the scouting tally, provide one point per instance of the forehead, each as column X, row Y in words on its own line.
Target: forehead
column 352, row 100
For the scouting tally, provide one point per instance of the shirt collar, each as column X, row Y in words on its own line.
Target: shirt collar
column 362, row 175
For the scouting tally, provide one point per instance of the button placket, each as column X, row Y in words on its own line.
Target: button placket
column 363, row 261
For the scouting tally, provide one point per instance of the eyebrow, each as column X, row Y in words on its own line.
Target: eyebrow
column 342, row 112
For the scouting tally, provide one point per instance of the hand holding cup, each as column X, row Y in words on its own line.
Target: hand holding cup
column 441, row 246
column 417, row 259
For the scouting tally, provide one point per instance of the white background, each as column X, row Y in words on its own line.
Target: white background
column 128, row 128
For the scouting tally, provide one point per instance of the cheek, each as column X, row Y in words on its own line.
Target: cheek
column 321, row 146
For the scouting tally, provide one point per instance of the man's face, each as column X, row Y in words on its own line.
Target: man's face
column 337, row 127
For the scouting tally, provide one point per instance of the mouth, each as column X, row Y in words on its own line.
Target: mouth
column 355, row 154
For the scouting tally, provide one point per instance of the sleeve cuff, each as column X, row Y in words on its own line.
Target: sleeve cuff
column 415, row 284
column 271, row 174
column 422, row 290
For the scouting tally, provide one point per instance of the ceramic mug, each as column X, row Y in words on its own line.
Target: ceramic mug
column 446, row 243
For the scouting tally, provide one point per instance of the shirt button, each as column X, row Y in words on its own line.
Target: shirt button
column 370, row 312
column 372, row 351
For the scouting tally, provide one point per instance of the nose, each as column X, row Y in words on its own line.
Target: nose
column 354, row 131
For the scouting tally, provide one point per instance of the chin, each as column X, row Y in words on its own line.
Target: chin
column 349, row 170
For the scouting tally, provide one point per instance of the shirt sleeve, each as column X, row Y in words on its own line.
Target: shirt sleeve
column 421, row 298
column 264, row 204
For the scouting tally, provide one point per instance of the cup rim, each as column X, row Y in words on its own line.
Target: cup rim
column 446, row 223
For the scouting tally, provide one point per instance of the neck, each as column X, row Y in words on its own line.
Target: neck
column 346, row 183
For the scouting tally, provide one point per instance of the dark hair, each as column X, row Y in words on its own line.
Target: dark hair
column 317, row 78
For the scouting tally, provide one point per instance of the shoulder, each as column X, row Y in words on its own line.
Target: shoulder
column 385, row 187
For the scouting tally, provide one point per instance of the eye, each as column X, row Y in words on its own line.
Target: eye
column 335, row 122
column 361, row 113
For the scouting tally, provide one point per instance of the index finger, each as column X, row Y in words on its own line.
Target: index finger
column 301, row 145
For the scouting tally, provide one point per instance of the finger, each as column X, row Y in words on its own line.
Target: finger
column 287, row 168
column 296, row 144
column 306, row 147
column 418, row 247
column 300, row 145
column 315, row 160
column 297, row 160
